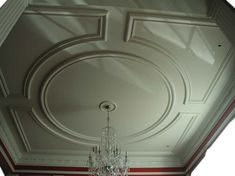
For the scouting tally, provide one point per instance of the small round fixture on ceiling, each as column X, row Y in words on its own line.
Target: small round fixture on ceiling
column 107, row 106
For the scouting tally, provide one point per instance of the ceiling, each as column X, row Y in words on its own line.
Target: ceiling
column 166, row 64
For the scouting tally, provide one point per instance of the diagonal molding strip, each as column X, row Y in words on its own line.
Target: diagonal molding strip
column 9, row 14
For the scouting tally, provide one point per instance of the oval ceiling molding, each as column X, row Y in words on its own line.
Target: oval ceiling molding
column 74, row 78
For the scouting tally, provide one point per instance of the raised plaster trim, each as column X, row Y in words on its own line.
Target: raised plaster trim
column 9, row 14
column 133, row 17
column 99, row 35
column 20, row 129
column 190, row 124
column 94, row 55
column 222, row 119
column 3, row 85
column 215, row 79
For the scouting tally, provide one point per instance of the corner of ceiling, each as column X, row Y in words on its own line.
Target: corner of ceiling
column 223, row 114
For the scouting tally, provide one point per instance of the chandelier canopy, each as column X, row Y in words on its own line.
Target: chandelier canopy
column 106, row 159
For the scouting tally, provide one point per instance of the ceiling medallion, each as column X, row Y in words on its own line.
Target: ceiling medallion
column 106, row 158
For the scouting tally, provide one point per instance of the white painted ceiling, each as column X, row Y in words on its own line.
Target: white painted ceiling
column 166, row 64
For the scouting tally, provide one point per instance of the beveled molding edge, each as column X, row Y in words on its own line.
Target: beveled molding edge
column 19, row 127
column 3, row 85
column 93, row 55
column 190, row 124
column 132, row 17
column 10, row 13
column 65, row 10
column 101, row 35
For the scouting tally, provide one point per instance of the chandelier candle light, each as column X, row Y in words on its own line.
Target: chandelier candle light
column 106, row 159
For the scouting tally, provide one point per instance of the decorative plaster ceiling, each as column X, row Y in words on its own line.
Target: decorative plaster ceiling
column 170, row 73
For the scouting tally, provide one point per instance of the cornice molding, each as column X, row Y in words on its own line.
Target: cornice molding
column 74, row 170
column 9, row 14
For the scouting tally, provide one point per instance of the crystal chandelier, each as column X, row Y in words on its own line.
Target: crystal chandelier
column 106, row 159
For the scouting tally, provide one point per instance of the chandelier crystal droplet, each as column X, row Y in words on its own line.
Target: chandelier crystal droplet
column 106, row 159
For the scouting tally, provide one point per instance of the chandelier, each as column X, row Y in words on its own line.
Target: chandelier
column 106, row 159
